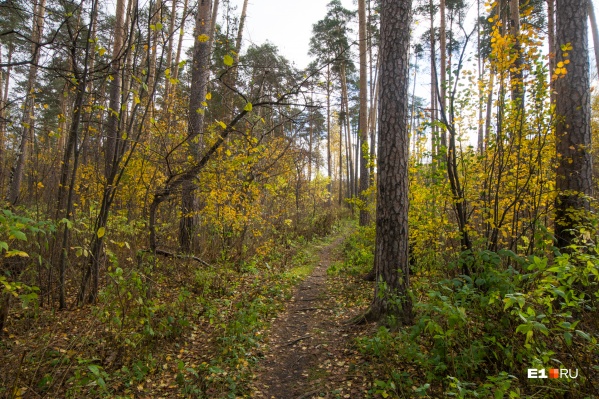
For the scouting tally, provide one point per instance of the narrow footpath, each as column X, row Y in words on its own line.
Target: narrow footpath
column 311, row 344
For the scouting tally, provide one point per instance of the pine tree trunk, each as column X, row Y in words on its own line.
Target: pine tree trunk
column 363, row 124
column 391, row 294
column 443, row 74
column 573, row 127
column 329, row 157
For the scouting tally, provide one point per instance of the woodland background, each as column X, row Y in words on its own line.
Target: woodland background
column 156, row 196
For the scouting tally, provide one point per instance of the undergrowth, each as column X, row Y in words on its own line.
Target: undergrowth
column 476, row 336
column 161, row 327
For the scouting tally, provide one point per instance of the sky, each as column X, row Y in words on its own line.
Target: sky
column 285, row 23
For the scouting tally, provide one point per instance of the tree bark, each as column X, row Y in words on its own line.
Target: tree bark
column 551, row 45
column 443, row 73
column 516, row 69
column 114, row 107
column 391, row 294
column 200, row 70
column 329, row 158
column 573, row 127
column 363, row 124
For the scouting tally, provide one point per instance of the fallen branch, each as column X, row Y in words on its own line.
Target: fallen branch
column 179, row 256
column 297, row 340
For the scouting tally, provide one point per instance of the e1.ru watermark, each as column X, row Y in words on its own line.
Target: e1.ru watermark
column 553, row 373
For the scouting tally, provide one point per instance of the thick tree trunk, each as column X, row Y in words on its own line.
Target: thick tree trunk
column 573, row 127
column 200, row 70
column 391, row 295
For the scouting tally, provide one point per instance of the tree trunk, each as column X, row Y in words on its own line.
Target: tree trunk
column 67, row 183
column 516, row 68
column 443, row 74
column 200, row 71
column 329, row 158
column 114, row 108
column 363, row 124
column 180, row 43
column 595, row 32
column 434, row 99
column 573, row 127
column 27, row 122
column 345, row 115
column 551, row 45
column 3, row 106
column 391, row 294
column 169, row 56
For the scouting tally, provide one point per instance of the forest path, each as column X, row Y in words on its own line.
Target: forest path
column 311, row 342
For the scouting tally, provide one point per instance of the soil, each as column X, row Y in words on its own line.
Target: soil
column 312, row 350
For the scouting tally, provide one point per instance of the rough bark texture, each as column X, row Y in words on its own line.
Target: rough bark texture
column 195, row 128
column 573, row 128
column 391, row 255
column 363, row 124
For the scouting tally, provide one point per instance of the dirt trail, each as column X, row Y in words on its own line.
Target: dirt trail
column 310, row 344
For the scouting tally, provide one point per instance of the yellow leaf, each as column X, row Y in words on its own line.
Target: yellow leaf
column 248, row 107
column 222, row 124
column 137, row 100
column 101, row 232
column 228, row 60
column 208, row 96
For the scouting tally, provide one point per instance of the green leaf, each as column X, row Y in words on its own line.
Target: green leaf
column 568, row 337
column 248, row 107
column 228, row 60
column 19, row 235
column 101, row 232
column 94, row 369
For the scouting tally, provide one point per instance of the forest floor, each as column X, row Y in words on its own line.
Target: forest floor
column 312, row 351
column 281, row 330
